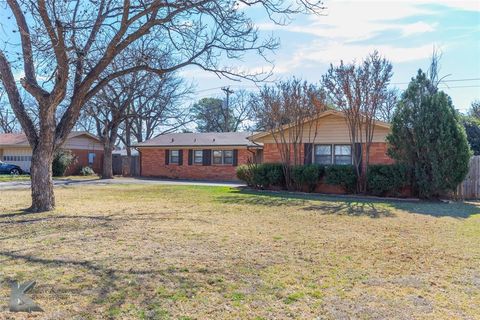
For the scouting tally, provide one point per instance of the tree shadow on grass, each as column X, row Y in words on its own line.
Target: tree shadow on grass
column 353, row 205
column 110, row 288
column 351, row 208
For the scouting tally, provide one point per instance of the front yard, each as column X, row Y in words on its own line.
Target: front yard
column 185, row 252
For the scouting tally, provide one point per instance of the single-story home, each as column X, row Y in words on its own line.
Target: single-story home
column 15, row 149
column 214, row 156
column 210, row 156
column 326, row 140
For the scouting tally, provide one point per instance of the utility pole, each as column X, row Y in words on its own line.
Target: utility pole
column 227, row 91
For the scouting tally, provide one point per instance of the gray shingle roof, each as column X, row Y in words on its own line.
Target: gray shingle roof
column 20, row 139
column 209, row 139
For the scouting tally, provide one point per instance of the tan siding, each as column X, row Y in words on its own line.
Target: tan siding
column 330, row 129
column 83, row 142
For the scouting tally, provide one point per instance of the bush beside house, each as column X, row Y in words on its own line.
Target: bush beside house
column 383, row 180
column 61, row 161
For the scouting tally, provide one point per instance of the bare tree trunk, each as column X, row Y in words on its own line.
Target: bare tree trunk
column 107, row 170
column 43, row 198
column 126, row 172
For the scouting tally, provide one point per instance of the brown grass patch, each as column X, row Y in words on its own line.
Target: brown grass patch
column 183, row 252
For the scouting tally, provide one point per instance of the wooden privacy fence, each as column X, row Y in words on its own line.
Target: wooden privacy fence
column 470, row 187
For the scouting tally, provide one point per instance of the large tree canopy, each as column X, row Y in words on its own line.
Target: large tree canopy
column 67, row 47
column 426, row 135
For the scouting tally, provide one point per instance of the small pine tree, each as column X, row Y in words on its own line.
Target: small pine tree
column 427, row 136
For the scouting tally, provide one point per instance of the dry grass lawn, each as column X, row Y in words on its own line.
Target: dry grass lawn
column 183, row 252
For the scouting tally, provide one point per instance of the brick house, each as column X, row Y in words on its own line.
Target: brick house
column 325, row 140
column 87, row 148
column 201, row 156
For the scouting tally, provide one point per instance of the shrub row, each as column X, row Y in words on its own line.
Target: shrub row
column 382, row 180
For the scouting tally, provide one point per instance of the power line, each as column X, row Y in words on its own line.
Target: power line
column 453, row 87
column 451, row 80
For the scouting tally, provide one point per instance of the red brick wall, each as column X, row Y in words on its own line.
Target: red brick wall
column 378, row 153
column 271, row 153
column 82, row 161
column 152, row 162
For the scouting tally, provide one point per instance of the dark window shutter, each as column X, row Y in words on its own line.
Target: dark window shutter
column 167, row 156
column 235, row 157
column 190, row 157
column 358, row 155
column 307, row 153
column 180, row 157
column 207, row 157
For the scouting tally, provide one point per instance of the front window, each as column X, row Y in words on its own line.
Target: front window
column 222, row 157
column 228, row 157
column 343, row 154
column 91, row 158
column 198, row 156
column 323, row 154
column 174, row 156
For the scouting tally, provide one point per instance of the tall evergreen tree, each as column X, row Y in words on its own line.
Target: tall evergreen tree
column 427, row 136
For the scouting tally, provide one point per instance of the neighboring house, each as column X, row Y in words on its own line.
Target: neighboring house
column 326, row 140
column 210, row 156
column 214, row 156
column 15, row 149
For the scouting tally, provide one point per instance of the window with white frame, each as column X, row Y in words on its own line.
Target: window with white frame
column 222, row 156
column 198, row 156
column 174, row 156
column 333, row 154
column 343, row 154
column 323, row 154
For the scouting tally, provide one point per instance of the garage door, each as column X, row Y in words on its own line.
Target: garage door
column 20, row 157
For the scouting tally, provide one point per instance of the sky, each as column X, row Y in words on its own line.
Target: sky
column 404, row 32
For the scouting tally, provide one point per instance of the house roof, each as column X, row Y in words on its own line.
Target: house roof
column 20, row 139
column 321, row 115
column 123, row 152
column 200, row 139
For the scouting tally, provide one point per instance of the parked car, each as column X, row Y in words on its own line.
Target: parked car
column 8, row 168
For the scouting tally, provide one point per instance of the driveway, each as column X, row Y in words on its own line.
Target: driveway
column 74, row 182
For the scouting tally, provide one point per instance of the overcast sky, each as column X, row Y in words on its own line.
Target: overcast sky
column 405, row 32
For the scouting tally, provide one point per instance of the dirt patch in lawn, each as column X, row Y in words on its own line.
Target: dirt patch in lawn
column 185, row 252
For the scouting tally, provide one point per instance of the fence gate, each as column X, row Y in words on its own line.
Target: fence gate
column 117, row 164
column 470, row 187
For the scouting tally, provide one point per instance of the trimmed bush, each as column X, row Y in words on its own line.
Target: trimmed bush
column 61, row 161
column 246, row 173
column 341, row 175
column 87, row 171
column 262, row 175
column 307, row 176
column 387, row 180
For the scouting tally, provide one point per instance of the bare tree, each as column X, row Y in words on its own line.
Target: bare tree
column 109, row 109
column 156, row 109
column 360, row 92
column 387, row 109
column 288, row 111
column 8, row 122
column 67, row 47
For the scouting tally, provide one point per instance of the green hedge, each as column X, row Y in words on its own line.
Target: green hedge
column 382, row 180
column 387, row 180
column 61, row 161
column 307, row 176
column 262, row 175
column 341, row 175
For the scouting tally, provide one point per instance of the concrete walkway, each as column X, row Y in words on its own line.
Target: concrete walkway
column 11, row 185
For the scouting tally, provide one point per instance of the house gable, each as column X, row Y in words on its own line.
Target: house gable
column 329, row 127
